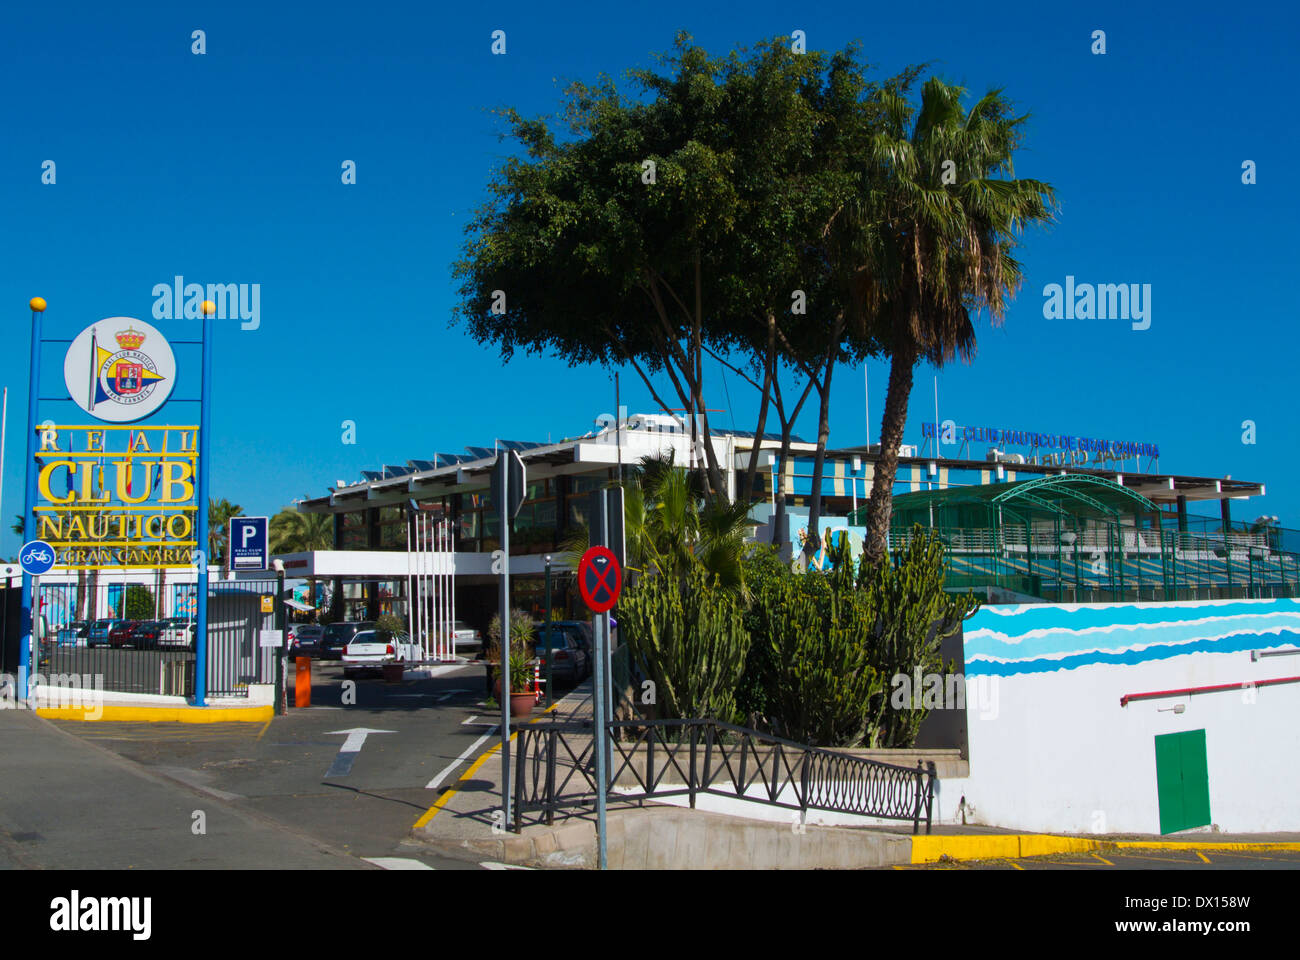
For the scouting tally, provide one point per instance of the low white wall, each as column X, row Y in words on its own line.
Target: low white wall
column 1054, row 750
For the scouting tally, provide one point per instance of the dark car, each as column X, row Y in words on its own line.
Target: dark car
column 147, row 634
column 571, row 651
column 305, row 639
column 338, row 635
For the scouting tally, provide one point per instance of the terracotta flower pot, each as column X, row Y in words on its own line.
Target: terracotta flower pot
column 521, row 704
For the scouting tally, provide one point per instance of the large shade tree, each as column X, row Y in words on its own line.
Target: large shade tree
column 673, row 224
column 938, row 224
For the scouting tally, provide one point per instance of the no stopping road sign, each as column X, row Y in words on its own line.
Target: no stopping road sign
column 599, row 579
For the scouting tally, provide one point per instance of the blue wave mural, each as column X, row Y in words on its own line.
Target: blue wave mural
column 1038, row 638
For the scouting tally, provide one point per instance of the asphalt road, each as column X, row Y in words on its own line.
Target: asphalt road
column 119, row 795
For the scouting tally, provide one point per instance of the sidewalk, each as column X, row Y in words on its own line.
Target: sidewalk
column 465, row 822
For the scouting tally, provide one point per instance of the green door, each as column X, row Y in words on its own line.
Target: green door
column 1183, row 780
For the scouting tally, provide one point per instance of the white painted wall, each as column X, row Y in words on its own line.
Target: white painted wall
column 1055, row 751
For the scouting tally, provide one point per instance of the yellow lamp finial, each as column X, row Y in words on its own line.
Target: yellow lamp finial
column 37, row 304
column 209, row 308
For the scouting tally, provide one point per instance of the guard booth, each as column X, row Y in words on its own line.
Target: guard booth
column 236, row 619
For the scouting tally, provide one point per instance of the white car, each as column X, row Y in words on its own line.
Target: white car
column 463, row 635
column 375, row 650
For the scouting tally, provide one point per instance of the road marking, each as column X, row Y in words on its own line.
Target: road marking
column 397, row 863
column 1202, row 856
column 474, row 721
column 493, row 865
column 433, row 784
column 1103, row 860
column 469, row 774
column 1016, row 865
column 356, row 739
column 264, row 729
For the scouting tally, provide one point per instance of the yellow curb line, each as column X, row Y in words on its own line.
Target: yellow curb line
column 117, row 714
column 1245, row 847
column 468, row 775
column 1015, row 846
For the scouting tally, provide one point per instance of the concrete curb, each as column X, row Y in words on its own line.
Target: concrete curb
column 672, row 838
column 124, row 714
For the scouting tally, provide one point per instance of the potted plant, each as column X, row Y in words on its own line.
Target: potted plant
column 394, row 627
column 522, row 696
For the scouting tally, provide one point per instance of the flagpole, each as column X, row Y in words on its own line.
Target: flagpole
column 94, row 355
column 28, row 624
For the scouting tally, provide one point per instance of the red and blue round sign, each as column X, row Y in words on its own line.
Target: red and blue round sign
column 599, row 579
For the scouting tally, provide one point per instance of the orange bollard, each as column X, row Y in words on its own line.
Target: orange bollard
column 302, row 682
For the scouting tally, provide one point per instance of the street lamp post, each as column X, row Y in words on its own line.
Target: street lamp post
column 546, row 635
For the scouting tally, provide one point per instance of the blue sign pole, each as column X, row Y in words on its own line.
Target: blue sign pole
column 204, row 447
column 29, row 500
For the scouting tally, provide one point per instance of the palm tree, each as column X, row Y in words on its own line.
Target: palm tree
column 941, row 220
column 220, row 513
column 294, row 532
column 670, row 524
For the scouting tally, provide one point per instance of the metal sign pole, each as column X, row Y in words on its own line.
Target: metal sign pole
column 27, row 628
column 546, row 635
column 503, row 670
column 202, row 491
column 598, row 702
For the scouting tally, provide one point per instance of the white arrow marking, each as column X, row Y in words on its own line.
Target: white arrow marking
column 356, row 739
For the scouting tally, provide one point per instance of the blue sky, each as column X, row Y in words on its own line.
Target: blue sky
column 225, row 168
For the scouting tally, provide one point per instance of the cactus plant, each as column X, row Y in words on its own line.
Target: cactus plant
column 688, row 636
column 821, row 680
column 913, row 614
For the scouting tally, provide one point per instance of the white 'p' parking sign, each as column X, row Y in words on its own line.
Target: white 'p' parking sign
column 248, row 543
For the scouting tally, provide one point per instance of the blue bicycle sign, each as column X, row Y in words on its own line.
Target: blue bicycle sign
column 36, row 557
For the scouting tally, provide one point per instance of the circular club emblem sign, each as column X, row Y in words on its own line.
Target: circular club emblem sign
column 599, row 579
column 119, row 370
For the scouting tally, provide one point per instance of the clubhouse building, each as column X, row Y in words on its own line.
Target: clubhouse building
column 1071, row 521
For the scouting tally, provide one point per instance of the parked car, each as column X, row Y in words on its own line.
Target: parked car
column 373, row 650
column 463, row 635
column 337, row 635
column 120, row 634
column 97, row 635
column 572, row 656
column 147, row 634
column 75, row 633
column 304, row 639
column 178, row 632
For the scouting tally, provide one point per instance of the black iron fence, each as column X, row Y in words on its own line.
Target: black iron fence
column 555, row 770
